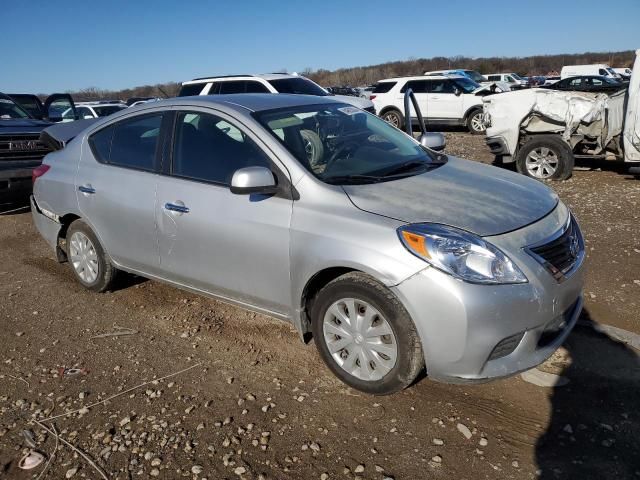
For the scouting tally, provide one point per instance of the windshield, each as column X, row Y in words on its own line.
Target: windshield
column 298, row 86
column 475, row 76
column 516, row 76
column 108, row 109
column 467, row 85
column 10, row 110
column 342, row 144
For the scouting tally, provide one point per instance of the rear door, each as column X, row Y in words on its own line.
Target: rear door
column 235, row 246
column 419, row 88
column 116, row 188
column 445, row 104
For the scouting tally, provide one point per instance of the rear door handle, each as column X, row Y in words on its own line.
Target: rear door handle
column 173, row 207
column 87, row 189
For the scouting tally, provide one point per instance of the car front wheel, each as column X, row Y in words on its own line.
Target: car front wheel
column 90, row 265
column 545, row 157
column 365, row 336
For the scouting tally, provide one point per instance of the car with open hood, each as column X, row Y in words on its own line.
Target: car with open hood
column 394, row 258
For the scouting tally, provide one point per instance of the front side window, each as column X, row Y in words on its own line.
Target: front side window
column 341, row 144
column 210, row 149
column 442, row 86
column 130, row 143
column 232, row 86
column 603, row 72
column 253, row 86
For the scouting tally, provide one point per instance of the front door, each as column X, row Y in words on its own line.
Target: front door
column 116, row 188
column 236, row 246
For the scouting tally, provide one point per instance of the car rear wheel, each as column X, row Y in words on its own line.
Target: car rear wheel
column 365, row 336
column 393, row 117
column 475, row 122
column 90, row 265
column 545, row 157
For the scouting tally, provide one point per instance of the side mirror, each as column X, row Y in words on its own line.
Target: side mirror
column 457, row 92
column 433, row 140
column 253, row 180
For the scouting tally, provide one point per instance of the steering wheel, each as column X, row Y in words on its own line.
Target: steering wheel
column 347, row 147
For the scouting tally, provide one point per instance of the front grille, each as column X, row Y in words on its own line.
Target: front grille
column 562, row 253
column 22, row 147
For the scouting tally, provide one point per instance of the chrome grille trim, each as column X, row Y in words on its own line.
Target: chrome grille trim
column 562, row 253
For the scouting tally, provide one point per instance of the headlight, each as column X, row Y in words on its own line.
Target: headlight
column 461, row 254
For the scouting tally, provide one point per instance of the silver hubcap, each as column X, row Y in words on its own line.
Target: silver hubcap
column 477, row 122
column 360, row 339
column 392, row 119
column 83, row 257
column 542, row 162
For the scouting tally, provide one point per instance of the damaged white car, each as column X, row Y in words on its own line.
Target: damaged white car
column 544, row 131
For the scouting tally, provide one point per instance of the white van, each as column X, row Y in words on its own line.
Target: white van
column 595, row 69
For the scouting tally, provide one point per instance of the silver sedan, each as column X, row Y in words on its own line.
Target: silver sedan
column 393, row 257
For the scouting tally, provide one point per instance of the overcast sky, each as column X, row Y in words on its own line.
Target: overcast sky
column 72, row 44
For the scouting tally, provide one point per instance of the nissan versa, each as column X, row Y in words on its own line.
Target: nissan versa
column 393, row 257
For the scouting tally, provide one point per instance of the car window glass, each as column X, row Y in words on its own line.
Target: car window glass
column 256, row 87
column 418, row 86
column 232, row 86
column 602, row 71
column 383, row 87
column 595, row 81
column 191, row 89
column 442, row 86
column 134, row 142
column 494, row 78
column 211, row 149
column 100, row 143
column 576, row 82
column 84, row 112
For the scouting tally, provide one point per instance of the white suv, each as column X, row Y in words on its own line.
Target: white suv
column 265, row 83
column 514, row 80
column 93, row 110
column 443, row 100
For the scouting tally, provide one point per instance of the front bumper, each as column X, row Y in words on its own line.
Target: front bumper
column 474, row 333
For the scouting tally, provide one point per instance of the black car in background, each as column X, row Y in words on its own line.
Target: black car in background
column 21, row 149
column 587, row 83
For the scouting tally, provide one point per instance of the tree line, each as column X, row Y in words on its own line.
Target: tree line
column 360, row 76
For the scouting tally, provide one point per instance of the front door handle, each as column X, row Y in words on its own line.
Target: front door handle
column 175, row 207
column 87, row 189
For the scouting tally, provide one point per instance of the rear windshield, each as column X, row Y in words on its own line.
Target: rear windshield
column 298, row 86
column 191, row 89
column 383, row 87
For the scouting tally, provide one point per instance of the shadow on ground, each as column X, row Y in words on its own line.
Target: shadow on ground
column 594, row 432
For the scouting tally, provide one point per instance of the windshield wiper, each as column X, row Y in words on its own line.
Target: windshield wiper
column 337, row 179
column 404, row 167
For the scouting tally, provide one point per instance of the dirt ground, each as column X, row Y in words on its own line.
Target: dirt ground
column 258, row 403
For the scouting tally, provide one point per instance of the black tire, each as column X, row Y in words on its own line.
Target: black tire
column 106, row 272
column 393, row 117
column 474, row 120
column 559, row 150
column 313, row 147
column 409, row 362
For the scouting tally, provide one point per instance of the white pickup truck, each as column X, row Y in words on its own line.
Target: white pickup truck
column 544, row 131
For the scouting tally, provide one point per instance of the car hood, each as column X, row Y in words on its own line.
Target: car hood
column 22, row 125
column 359, row 102
column 478, row 198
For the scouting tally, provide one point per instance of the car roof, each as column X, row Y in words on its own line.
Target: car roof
column 264, row 76
column 254, row 102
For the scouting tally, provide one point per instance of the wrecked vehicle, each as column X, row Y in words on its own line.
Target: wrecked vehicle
column 355, row 245
column 544, row 131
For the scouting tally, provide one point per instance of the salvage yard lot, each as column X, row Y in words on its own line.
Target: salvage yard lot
column 261, row 403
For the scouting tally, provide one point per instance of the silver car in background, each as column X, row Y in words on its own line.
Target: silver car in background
column 393, row 257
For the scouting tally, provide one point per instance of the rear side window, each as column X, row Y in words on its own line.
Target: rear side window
column 256, row 87
column 191, row 89
column 130, row 143
column 232, row 86
column 383, row 87
column 418, row 86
